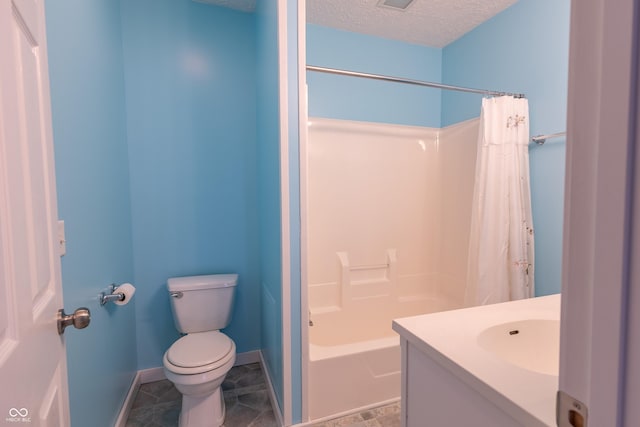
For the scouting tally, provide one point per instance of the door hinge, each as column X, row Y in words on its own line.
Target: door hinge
column 62, row 242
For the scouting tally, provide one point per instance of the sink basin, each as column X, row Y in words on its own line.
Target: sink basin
column 532, row 344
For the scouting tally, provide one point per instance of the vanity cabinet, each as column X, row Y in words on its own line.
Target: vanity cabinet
column 483, row 366
column 432, row 396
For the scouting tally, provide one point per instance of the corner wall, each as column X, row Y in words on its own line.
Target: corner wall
column 523, row 49
column 351, row 98
column 190, row 74
column 92, row 173
column 269, row 198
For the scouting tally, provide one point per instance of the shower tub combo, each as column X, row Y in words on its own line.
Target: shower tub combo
column 387, row 234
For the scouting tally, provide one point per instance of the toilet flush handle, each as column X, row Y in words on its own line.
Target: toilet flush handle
column 176, row 294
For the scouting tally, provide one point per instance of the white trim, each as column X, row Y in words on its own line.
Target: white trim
column 632, row 390
column 285, row 206
column 150, row 375
column 157, row 374
column 303, row 116
column 121, row 421
column 595, row 253
column 270, row 390
column 248, row 357
column 346, row 413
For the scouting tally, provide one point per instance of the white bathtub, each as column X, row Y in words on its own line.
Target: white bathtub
column 353, row 366
column 387, row 226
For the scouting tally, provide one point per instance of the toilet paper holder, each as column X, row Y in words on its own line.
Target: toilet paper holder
column 113, row 295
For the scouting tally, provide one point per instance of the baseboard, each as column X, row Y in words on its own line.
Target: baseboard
column 121, row 421
column 157, row 374
column 271, row 391
column 150, row 375
column 247, row 358
column 345, row 413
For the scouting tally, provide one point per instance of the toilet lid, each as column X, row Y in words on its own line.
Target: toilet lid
column 199, row 349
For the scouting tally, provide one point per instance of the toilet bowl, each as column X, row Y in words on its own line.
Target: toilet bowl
column 198, row 362
column 198, row 376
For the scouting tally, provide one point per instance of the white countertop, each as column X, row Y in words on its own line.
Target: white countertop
column 450, row 339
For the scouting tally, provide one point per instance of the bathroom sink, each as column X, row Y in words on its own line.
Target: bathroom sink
column 532, row 344
column 499, row 362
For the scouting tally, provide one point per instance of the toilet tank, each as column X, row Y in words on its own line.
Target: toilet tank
column 202, row 303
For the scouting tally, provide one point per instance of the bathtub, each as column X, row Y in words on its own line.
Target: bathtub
column 354, row 363
column 387, row 226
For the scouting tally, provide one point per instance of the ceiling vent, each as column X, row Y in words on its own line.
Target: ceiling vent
column 399, row 5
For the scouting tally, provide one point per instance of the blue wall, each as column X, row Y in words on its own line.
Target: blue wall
column 92, row 172
column 268, row 121
column 269, row 111
column 513, row 52
column 508, row 53
column 203, row 194
column 349, row 98
column 190, row 77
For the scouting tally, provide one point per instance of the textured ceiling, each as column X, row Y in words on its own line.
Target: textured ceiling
column 433, row 23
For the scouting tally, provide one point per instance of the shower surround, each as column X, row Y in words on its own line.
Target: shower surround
column 389, row 213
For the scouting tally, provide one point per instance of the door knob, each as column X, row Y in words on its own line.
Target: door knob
column 80, row 319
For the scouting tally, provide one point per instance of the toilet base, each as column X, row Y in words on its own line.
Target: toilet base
column 202, row 411
column 202, row 401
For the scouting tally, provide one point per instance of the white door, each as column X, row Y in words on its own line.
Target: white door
column 33, row 374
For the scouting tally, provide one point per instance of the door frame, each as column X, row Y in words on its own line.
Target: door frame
column 598, row 281
column 598, row 219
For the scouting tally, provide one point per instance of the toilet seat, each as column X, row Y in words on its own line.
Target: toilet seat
column 199, row 352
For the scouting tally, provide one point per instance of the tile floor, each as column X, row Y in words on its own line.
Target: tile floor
column 383, row 416
column 247, row 404
column 157, row 404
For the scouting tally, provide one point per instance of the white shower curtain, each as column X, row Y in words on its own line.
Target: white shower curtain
column 500, row 263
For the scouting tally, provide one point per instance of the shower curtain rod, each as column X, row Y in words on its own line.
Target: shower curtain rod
column 412, row 82
column 541, row 139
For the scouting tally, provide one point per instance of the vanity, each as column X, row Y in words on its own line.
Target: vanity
column 493, row 365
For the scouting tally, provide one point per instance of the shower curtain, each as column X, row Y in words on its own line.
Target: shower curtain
column 500, row 262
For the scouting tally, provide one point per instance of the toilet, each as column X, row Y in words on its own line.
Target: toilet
column 198, row 362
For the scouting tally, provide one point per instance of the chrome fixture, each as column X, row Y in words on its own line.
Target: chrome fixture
column 80, row 319
column 111, row 296
column 175, row 294
column 541, row 139
column 411, row 81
